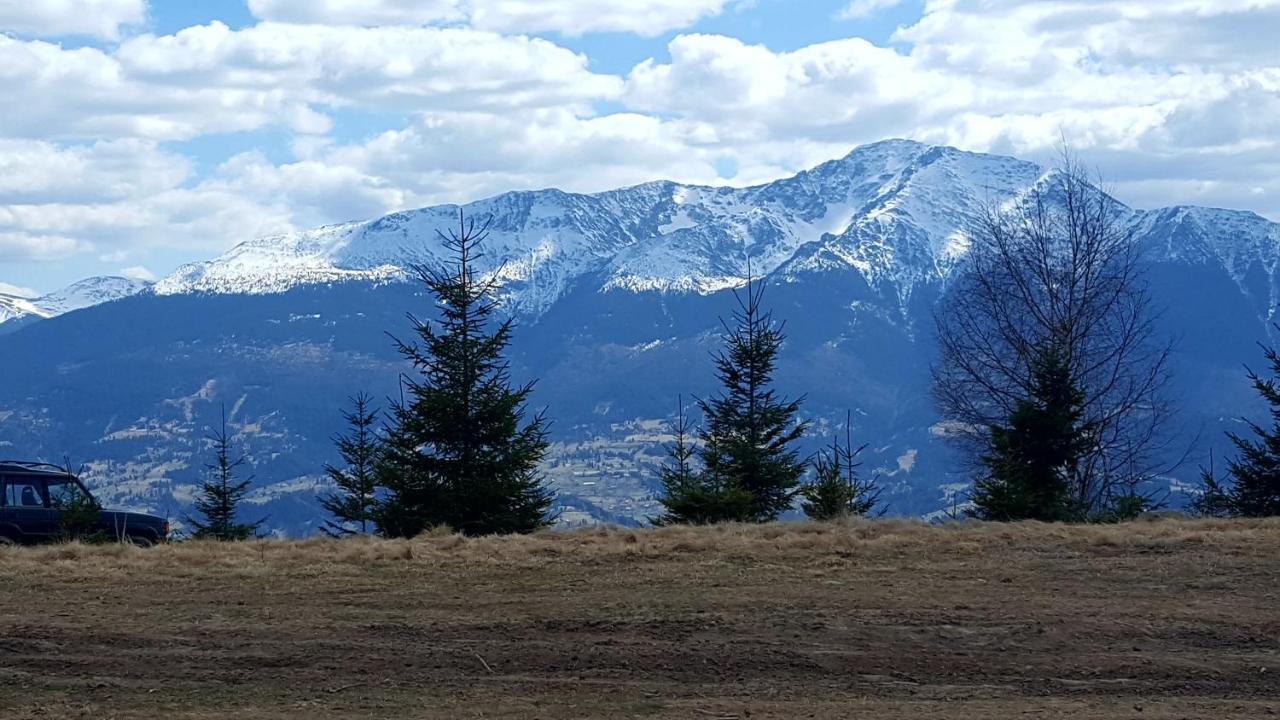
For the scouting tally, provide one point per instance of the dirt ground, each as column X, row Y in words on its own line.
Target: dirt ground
column 1165, row 619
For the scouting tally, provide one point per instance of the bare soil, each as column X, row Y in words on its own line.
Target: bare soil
column 1165, row 619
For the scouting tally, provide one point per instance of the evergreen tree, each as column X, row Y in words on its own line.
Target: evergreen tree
column 836, row 490
column 352, row 506
column 1215, row 498
column 1254, row 489
column 692, row 497
column 1033, row 459
column 461, row 451
column 749, row 433
column 221, row 494
column 78, row 511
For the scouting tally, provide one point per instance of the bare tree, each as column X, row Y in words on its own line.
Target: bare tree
column 1058, row 271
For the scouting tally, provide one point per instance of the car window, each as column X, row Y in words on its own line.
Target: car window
column 20, row 493
column 63, row 493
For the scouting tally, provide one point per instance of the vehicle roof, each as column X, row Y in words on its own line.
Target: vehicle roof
column 32, row 468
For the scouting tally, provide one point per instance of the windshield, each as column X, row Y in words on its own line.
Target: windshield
column 64, row 493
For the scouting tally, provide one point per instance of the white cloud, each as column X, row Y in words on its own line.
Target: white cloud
column 865, row 8
column 575, row 17
column 1175, row 101
column 111, row 196
column 27, row 246
column 1130, row 83
column 358, row 12
column 137, row 272
column 210, row 78
column 314, row 192
column 14, row 290
column 53, row 18
column 36, row 171
column 460, row 156
column 840, row 91
column 571, row 17
column 1004, row 35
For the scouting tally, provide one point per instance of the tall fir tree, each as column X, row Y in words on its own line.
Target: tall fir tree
column 836, row 490
column 1034, row 457
column 221, row 493
column 692, row 497
column 352, row 505
column 749, row 432
column 462, row 450
column 1253, row 489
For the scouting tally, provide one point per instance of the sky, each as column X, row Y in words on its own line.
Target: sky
column 141, row 134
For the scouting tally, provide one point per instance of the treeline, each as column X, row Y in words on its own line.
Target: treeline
column 1052, row 379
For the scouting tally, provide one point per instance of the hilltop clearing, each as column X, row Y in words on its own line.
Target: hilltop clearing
column 1157, row 619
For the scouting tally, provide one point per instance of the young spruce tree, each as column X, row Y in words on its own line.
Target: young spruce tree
column 78, row 512
column 352, row 506
column 221, row 494
column 697, row 498
column 461, row 451
column 1254, row 486
column 1034, row 457
column 1215, row 498
column 746, row 444
column 836, row 491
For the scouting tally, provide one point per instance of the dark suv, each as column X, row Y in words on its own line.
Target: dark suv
column 38, row 501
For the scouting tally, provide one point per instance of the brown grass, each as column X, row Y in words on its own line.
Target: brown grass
column 879, row 619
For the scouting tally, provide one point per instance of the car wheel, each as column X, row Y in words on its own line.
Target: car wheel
column 6, row 541
column 142, row 542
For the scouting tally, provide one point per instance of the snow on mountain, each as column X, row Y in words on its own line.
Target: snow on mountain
column 83, row 294
column 1243, row 242
column 894, row 211
column 14, row 307
column 90, row 292
column 660, row 235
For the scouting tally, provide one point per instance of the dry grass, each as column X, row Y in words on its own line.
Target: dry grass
column 887, row 619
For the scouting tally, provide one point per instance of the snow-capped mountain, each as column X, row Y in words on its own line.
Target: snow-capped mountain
column 86, row 293
column 894, row 212
column 618, row 296
column 18, row 307
column 660, row 236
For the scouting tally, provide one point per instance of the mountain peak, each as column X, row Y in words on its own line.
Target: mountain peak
column 82, row 294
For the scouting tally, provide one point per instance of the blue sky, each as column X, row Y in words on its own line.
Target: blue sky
column 145, row 134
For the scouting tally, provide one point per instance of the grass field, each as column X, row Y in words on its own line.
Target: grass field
column 1164, row 619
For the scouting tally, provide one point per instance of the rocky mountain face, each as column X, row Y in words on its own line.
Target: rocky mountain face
column 618, row 296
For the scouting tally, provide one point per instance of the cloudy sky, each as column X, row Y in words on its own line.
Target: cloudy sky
column 140, row 134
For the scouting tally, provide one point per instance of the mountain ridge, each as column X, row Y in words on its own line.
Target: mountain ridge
column 15, row 309
column 672, row 237
column 658, row 235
